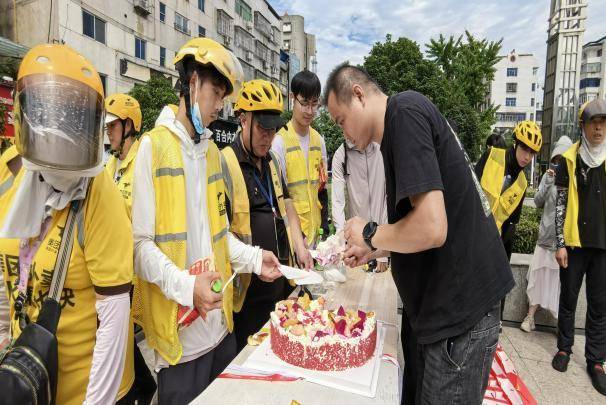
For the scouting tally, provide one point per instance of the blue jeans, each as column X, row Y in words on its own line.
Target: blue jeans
column 456, row 370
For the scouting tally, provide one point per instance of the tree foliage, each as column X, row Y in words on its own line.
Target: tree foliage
column 455, row 75
column 152, row 97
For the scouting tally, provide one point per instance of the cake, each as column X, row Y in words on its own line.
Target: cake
column 305, row 334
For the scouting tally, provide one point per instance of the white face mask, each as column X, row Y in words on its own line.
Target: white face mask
column 61, row 183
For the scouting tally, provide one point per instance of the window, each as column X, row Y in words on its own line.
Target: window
column 534, row 87
column 201, row 31
column 244, row 40
column 287, row 44
column 162, row 12
column 103, row 82
column 287, row 27
column 181, row 23
column 201, row 5
column 531, row 116
column 534, row 71
column 510, row 102
column 532, row 102
column 140, row 46
column 93, row 27
column 224, row 23
column 599, row 53
column 593, row 67
column 512, row 87
column 243, row 10
column 511, row 117
column 262, row 51
column 512, row 72
column 262, row 24
column 162, row 56
column 590, row 82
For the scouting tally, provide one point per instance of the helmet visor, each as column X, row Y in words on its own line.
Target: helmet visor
column 59, row 122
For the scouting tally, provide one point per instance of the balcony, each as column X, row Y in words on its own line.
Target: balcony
column 225, row 23
column 262, row 25
column 143, row 7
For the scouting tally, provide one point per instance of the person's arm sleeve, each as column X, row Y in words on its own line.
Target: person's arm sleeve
column 151, row 264
column 278, row 147
column 324, row 153
column 479, row 168
column 109, row 353
column 338, row 190
column 4, row 311
column 541, row 194
column 415, row 162
column 560, row 216
column 244, row 258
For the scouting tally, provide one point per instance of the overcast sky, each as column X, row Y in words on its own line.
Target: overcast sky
column 347, row 29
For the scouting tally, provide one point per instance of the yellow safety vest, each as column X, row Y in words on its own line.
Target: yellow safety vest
column 302, row 180
column 501, row 204
column 8, row 182
column 151, row 309
column 571, row 223
column 240, row 210
column 127, row 170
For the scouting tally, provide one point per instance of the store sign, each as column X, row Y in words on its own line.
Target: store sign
column 224, row 132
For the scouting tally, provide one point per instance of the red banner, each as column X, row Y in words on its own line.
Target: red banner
column 6, row 98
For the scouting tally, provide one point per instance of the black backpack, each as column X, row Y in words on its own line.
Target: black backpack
column 29, row 368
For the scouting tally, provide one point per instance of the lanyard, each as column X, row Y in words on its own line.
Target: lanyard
column 266, row 193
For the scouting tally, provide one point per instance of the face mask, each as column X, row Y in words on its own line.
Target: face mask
column 554, row 166
column 61, row 183
column 196, row 117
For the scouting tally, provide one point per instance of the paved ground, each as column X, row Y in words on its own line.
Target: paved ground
column 532, row 353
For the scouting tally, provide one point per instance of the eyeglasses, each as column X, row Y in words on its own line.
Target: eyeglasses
column 307, row 105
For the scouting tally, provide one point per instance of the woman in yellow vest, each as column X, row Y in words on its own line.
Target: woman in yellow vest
column 259, row 207
column 122, row 125
column 501, row 174
column 179, row 217
column 59, row 123
column 581, row 241
column 302, row 154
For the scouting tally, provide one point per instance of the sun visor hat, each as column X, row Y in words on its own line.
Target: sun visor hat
column 269, row 120
column 59, row 111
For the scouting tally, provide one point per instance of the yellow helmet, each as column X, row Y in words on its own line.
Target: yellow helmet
column 206, row 51
column 124, row 106
column 259, row 95
column 529, row 133
column 59, row 109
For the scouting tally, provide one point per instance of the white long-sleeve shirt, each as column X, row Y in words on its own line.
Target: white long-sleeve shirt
column 153, row 266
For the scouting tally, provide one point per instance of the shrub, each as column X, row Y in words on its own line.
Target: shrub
column 527, row 230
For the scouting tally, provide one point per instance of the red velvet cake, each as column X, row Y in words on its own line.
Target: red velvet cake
column 306, row 335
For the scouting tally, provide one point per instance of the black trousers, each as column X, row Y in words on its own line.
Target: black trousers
column 592, row 264
column 409, row 349
column 182, row 383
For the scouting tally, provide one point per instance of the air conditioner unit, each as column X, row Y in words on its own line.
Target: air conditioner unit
column 265, row 64
column 249, row 26
column 143, row 7
column 226, row 40
column 249, row 56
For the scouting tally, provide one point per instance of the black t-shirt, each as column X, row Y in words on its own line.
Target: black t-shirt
column 447, row 290
column 262, row 224
column 591, row 188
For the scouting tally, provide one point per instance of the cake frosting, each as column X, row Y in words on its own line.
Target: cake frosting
column 306, row 334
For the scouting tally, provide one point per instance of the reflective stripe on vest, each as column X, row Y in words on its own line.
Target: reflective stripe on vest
column 302, row 180
column 502, row 204
column 151, row 308
column 240, row 213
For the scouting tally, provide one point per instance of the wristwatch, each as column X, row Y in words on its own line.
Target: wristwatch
column 369, row 231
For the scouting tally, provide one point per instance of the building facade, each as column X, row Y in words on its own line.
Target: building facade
column 297, row 41
column 593, row 71
column 562, row 70
column 514, row 90
column 129, row 40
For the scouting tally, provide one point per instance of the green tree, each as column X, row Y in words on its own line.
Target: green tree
column 152, row 97
column 456, row 76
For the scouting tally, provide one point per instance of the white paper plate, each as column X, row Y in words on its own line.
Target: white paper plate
column 301, row 277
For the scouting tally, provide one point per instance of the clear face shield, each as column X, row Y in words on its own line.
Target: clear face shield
column 59, row 122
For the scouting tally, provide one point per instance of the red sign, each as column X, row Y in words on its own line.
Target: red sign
column 6, row 98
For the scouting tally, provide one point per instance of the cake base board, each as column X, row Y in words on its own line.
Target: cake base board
column 359, row 380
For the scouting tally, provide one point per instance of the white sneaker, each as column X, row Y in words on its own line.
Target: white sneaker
column 528, row 324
